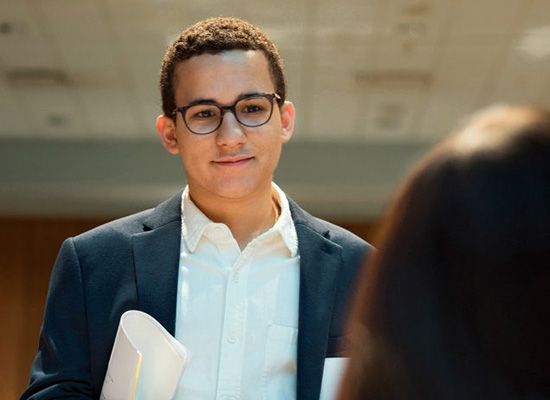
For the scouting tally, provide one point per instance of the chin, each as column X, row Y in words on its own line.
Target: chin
column 237, row 190
column 234, row 193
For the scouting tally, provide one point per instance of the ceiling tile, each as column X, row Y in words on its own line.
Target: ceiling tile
column 26, row 45
column 54, row 113
column 13, row 114
column 388, row 115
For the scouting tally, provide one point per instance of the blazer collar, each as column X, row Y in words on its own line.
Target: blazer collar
column 320, row 263
column 166, row 212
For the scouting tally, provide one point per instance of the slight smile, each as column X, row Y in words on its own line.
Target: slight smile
column 233, row 162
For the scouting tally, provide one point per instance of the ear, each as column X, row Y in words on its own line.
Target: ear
column 288, row 114
column 166, row 129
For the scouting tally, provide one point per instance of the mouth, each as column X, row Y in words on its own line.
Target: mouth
column 233, row 161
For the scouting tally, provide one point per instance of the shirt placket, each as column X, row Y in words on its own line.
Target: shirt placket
column 234, row 331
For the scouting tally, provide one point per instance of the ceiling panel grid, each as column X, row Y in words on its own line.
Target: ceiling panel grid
column 52, row 103
column 524, row 76
column 401, row 73
column 343, row 43
column 89, row 56
column 468, row 62
column 503, row 51
column 24, row 47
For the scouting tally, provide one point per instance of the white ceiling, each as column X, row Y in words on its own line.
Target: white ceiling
column 358, row 71
column 375, row 82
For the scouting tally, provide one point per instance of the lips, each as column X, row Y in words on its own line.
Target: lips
column 232, row 161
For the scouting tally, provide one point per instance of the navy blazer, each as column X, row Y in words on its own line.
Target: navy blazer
column 132, row 263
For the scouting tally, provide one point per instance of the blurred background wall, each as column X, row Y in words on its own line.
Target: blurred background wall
column 375, row 84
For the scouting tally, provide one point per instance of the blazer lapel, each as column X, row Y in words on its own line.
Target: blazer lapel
column 320, row 261
column 156, row 260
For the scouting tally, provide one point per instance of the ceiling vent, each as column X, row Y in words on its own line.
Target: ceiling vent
column 36, row 77
column 389, row 117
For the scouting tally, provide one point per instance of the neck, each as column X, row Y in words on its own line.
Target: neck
column 247, row 218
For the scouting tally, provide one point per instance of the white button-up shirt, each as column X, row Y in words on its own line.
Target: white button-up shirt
column 237, row 311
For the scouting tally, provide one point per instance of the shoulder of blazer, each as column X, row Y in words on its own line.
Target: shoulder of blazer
column 350, row 243
column 164, row 213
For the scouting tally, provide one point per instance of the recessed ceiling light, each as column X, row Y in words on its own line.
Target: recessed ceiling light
column 535, row 43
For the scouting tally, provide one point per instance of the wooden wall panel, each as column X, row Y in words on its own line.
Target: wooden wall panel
column 28, row 248
column 364, row 229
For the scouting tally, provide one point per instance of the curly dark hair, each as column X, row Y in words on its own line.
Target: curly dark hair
column 213, row 36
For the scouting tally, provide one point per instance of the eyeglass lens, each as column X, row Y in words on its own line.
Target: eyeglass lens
column 250, row 111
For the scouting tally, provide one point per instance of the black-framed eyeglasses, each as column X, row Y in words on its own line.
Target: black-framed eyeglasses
column 251, row 111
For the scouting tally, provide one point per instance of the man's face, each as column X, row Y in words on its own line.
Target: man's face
column 233, row 162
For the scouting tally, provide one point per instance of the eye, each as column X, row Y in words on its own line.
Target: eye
column 205, row 114
column 253, row 105
column 252, row 108
column 202, row 112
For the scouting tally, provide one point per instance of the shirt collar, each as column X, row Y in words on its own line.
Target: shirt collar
column 194, row 222
column 285, row 224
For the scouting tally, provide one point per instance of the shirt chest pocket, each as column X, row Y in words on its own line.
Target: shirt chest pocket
column 279, row 369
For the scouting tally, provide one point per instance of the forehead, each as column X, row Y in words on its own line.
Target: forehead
column 222, row 76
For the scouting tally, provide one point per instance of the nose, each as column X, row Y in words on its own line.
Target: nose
column 230, row 132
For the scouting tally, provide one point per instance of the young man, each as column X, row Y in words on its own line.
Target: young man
column 255, row 287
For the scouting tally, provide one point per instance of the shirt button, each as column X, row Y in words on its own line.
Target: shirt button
column 236, row 278
column 232, row 338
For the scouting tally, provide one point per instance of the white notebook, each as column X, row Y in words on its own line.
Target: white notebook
column 146, row 361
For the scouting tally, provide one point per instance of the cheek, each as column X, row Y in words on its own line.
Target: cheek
column 273, row 152
column 191, row 155
column 191, row 147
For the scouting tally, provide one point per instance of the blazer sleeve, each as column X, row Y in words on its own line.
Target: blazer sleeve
column 354, row 256
column 61, row 367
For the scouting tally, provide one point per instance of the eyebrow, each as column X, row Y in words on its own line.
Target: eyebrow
column 212, row 101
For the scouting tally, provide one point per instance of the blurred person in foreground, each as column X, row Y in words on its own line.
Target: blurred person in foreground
column 255, row 287
column 456, row 303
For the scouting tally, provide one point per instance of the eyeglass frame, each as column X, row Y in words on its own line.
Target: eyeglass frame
column 231, row 108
